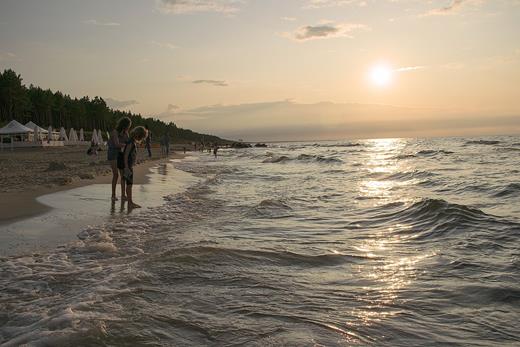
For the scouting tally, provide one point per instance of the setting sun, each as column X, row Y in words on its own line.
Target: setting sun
column 381, row 75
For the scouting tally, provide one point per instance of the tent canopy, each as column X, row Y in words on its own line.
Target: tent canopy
column 31, row 125
column 15, row 128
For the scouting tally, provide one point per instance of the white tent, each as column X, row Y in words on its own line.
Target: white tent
column 94, row 137
column 14, row 129
column 32, row 125
column 63, row 134
column 81, row 135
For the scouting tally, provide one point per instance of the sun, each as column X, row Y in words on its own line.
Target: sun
column 381, row 75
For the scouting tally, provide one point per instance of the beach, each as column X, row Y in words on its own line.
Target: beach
column 405, row 242
column 29, row 173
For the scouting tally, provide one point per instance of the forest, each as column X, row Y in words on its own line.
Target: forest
column 45, row 107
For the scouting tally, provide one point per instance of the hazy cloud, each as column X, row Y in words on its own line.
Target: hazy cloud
column 190, row 6
column 324, row 31
column 287, row 120
column 409, row 68
column 288, row 19
column 312, row 4
column 166, row 45
column 117, row 104
column 101, row 24
column 453, row 7
column 216, row 83
column 7, row 56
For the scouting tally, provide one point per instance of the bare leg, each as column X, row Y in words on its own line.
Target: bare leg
column 123, row 186
column 131, row 203
column 115, row 176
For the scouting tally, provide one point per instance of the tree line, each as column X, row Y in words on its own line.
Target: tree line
column 45, row 107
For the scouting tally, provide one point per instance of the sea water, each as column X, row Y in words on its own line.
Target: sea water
column 391, row 242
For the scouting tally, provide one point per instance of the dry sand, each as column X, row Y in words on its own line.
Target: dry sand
column 28, row 173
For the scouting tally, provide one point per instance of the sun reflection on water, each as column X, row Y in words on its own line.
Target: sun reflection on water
column 393, row 266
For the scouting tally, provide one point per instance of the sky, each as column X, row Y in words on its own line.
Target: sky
column 280, row 70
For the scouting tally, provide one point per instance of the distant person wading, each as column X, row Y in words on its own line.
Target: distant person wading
column 116, row 143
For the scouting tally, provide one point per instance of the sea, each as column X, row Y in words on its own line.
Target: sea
column 381, row 242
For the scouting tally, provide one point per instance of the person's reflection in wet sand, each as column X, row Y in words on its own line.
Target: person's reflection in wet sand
column 163, row 171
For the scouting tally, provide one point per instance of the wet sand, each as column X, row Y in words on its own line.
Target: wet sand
column 28, row 173
column 69, row 211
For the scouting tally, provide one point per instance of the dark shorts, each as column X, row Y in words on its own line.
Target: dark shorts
column 120, row 160
column 112, row 153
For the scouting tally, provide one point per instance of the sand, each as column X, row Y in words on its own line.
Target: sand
column 26, row 174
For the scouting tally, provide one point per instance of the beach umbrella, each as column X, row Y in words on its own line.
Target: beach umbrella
column 94, row 137
column 63, row 134
column 74, row 135
column 81, row 135
column 36, row 135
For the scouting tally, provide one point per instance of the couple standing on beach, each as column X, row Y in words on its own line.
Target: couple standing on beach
column 122, row 155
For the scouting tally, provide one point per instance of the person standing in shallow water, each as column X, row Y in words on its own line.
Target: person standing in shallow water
column 116, row 144
column 166, row 143
column 137, row 135
column 148, row 141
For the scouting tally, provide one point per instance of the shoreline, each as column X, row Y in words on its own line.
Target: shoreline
column 62, row 212
column 19, row 205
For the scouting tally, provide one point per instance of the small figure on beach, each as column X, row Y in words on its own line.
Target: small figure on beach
column 116, row 143
column 137, row 135
column 215, row 150
column 93, row 149
column 165, row 142
column 148, row 141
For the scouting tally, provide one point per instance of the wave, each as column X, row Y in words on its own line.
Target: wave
column 302, row 157
column 489, row 294
column 508, row 149
column 483, row 142
column 229, row 256
column 423, row 153
column 277, row 159
column 318, row 158
column 405, row 156
column 406, row 176
column 349, row 144
column 271, row 208
column 402, row 176
column 432, row 218
column 512, row 189
column 432, row 152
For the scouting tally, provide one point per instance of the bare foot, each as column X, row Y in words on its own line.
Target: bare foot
column 133, row 205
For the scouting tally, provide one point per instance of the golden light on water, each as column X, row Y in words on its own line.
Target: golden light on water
column 381, row 160
column 394, row 265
